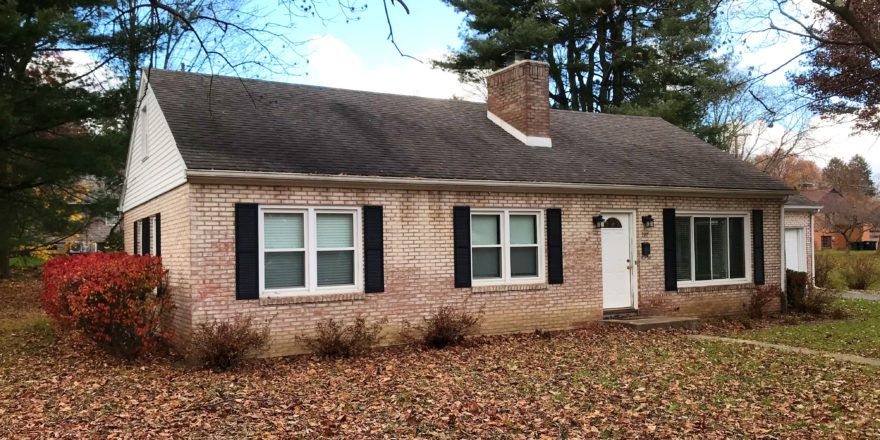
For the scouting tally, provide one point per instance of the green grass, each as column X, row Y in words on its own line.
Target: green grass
column 25, row 261
column 843, row 252
column 858, row 335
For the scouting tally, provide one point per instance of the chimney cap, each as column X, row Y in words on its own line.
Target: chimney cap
column 516, row 55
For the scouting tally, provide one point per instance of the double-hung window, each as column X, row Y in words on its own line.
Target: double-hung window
column 711, row 249
column 506, row 246
column 309, row 250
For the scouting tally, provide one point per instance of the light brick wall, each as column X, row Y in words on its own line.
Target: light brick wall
column 174, row 207
column 801, row 219
column 419, row 260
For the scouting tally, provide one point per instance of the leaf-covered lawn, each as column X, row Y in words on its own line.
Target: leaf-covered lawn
column 586, row 383
column 858, row 335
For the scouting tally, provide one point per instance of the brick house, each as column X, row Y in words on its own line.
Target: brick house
column 866, row 236
column 299, row 203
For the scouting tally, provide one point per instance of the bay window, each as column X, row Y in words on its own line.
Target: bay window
column 506, row 246
column 307, row 250
column 711, row 249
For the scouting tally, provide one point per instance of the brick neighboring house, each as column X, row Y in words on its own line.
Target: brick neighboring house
column 826, row 239
column 299, row 203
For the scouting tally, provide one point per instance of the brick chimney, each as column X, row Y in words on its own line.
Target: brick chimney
column 519, row 101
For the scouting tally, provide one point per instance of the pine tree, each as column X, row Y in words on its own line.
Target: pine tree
column 636, row 57
column 54, row 131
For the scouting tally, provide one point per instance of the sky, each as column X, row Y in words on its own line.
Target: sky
column 357, row 55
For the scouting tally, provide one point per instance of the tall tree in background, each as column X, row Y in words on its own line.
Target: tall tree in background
column 51, row 125
column 843, row 70
column 637, row 57
column 853, row 177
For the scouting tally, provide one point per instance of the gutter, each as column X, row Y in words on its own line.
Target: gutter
column 325, row 180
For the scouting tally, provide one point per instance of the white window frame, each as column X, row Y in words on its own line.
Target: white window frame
column 504, row 225
column 747, row 248
column 310, row 240
column 152, row 222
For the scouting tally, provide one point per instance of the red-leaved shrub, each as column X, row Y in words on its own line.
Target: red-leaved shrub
column 116, row 299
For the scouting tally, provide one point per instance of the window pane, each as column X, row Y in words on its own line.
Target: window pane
column 524, row 262
column 335, row 230
column 283, row 231
column 702, row 249
column 737, row 248
column 683, row 247
column 523, row 229
column 284, row 270
column 335, row 268
column 485, row 230
column 719, row 248
column 487, row 263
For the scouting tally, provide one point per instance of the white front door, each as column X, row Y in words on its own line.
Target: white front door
column 796, row 249
column 617, row 262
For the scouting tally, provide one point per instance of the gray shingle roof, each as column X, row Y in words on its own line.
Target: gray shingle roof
column 801, row 201
column 224, row 123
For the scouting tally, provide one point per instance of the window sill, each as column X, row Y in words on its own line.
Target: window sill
column 509, row 288
column 715, row 287
column 312, row 298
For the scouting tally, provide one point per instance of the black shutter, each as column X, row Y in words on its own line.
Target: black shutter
column 554, row 246
column 145, row 236
column 246, row 251
column 134, row 232
column 158, row 235
column 670, row 271
column 758, row 245
column 374, row 270
column 461, row 225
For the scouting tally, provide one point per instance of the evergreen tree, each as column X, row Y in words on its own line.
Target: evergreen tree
column 853, row 177
column 862, row 175
column 56, row 145
column 636, row 57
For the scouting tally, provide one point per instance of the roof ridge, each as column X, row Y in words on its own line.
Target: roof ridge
column 311, row 86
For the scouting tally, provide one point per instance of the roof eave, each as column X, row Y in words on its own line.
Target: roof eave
column 285, row 179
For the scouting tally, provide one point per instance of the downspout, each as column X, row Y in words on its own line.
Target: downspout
column 813, row 248
column 784, row 307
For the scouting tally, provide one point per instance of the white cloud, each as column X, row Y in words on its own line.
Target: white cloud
column 332, row 63
column 837, row 140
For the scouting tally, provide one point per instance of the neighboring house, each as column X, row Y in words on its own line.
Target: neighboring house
column 92, row 238
column 866, row 237
column 296, row 203
column 799, row 226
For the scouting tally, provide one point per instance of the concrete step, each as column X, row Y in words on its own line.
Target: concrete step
column 652, row 322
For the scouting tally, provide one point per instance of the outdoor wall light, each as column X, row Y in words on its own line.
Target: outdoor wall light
column 598, row 221
column 648, row 221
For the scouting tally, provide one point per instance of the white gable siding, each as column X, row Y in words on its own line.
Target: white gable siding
column 159, row 171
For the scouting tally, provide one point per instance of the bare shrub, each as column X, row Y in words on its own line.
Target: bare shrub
column 761, row 297
column 224, row 345
column 825, row 265
column 449, row 325
column 862, row 271
column 333, row 339
column 817, row 301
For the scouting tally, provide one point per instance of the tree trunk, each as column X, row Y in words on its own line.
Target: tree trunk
column 5, row 269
